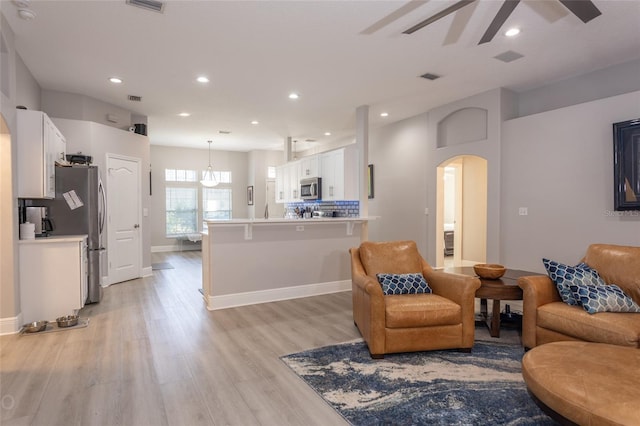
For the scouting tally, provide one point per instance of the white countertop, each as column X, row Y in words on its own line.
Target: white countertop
column 288, row 221
column 55, row 239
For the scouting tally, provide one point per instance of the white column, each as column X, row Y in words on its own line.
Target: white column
column 288, row 153
column 362, row 143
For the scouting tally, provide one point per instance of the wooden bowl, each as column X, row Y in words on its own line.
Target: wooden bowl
column 489, row 271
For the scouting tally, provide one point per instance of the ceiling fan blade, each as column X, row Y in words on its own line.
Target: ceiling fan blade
column 583, row 9
column 502, row 15
column 459, row 23
column 397, row 14
column 442, row 14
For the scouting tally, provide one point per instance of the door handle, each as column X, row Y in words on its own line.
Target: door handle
column 136, row 226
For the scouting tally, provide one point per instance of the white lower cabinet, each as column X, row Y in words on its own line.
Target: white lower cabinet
column 53, row 277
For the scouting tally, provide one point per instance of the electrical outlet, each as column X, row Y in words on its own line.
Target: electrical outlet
column 299, row 228
column 426, row 211
column 523, row 211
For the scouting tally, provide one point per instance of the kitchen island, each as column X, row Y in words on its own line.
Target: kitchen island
column 248, row 261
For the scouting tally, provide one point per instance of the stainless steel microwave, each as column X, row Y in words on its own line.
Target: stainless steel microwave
column 311, row 188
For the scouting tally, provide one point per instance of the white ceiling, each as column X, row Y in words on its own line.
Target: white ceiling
column 337, row 55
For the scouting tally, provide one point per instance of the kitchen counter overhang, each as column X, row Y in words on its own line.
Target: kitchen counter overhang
column 247, row 261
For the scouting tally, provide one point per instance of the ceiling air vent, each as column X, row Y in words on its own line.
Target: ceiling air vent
column 309, row 140
column 224, row 132
column 156, row 6
column 134, row 98
column 509, row 56
column 430, row 76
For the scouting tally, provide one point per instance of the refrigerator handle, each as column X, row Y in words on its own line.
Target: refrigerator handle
column 103, row 210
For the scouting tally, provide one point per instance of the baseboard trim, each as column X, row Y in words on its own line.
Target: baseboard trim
column 10, row 325
column 147, row 272
column 265, row 296
column 175, row 247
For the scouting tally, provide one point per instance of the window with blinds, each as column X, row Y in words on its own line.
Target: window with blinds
column 188, row 203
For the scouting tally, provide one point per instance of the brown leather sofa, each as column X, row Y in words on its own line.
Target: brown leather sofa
column 443, row 319
column 547, row 319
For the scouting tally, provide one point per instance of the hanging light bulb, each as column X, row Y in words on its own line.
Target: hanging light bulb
column 209, row 179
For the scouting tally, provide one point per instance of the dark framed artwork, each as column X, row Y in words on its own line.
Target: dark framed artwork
column 249, row 195
column 626, row 164
column 370, row 180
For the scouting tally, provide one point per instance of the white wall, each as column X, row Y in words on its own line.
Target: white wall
column 28, row 89
column 165, row 157
column 559, row 164
column 494, row 102
column 614, row 80
column 398, row 152
column 9, row 275
column 81, row 107
column 258, row 161
column 99, row 140
column 474, row 209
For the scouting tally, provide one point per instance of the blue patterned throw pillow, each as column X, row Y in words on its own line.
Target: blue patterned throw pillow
column 403, row 284
column 603, row 298
column 564, row 275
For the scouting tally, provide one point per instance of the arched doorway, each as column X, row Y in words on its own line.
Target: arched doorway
column 9, row 301
column 461, row 218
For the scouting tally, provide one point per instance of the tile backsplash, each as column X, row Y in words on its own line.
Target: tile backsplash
column 342, row 208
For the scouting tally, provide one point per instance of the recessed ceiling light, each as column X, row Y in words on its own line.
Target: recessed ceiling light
column 115, row 80
column 384, row 114
column 202, row 79
column 512, row 32
column 327, row 133
column 184, row 114
column 293, row 96
column 254, row 122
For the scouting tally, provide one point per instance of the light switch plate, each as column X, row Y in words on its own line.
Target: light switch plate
column 523, row 211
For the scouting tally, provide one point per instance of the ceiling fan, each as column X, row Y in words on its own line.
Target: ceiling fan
column 585, row 10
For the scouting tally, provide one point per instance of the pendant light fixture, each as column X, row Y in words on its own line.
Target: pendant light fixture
column 209, row 180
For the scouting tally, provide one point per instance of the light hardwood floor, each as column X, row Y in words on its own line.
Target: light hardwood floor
column 153, row 355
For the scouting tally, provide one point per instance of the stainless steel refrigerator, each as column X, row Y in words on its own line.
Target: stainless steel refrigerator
column 80, row 208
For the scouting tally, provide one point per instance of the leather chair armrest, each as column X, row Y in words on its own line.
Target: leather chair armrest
column 368, row 305
column 537, row 290
column 456, row 287
column 460, row 289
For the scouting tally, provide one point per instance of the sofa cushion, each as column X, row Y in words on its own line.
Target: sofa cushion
column 619, row 265
column 563, row 276
column 605, row 327
column 603, row 298
column 419, row 310
column 396, row 257
column 403, row 284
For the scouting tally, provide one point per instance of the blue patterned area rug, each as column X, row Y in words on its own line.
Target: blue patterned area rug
column 484, row 387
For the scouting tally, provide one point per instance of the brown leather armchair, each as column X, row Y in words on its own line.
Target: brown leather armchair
column 444, row 319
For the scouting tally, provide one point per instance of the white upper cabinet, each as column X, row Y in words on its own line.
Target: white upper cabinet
column 288, row 183
column 294, row 181
column 280, row 190
column 309, row 167
column 338, row 170
column 332, row 173
column 40, row 145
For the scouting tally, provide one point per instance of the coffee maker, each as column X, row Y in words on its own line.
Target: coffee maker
column 39, row 216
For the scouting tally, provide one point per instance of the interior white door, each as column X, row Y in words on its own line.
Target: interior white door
column 124, row 217
column 276, row 210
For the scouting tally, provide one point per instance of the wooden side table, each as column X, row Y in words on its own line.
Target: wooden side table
column 505, row 288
